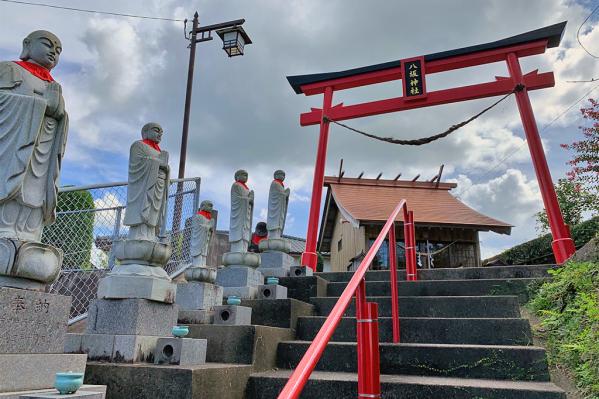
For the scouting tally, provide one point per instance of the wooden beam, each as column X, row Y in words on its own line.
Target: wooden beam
column 397, row 177
column 532, row 81
column 439, row 175
column 360, row 175
column 416, row 178
column 340, row 170
column 379, row 176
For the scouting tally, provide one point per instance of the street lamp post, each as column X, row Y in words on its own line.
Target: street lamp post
column 234, row 40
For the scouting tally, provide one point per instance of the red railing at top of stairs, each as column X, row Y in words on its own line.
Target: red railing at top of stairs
column 366, row 314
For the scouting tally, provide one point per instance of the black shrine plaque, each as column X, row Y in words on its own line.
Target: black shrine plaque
column 414, row 78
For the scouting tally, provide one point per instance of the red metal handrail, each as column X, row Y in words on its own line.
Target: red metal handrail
column 366, row 312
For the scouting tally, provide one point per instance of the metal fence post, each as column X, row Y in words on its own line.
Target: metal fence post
column 115, row 236
column 196, row 194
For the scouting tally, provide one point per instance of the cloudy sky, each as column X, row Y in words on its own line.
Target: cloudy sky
column 118, row 73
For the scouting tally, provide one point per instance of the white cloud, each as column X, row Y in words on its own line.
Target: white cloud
column 118, row 74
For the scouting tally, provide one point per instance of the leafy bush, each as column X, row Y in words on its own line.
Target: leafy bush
column 539, row 250
column 73, row 232
column 569, row 310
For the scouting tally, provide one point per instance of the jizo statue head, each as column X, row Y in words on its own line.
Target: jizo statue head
column 207, row 206
column 43, row 48
column 279, row 174
column 152, row 131
column 241, row 175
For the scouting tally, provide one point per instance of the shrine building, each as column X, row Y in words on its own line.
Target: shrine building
column 446, row 228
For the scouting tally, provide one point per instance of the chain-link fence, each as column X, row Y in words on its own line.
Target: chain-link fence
column 90, row 218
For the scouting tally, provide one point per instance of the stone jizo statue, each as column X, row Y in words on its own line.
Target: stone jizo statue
column 278, row 200
column 242, row 210
column 142, row 256
column 148, row 185
column 202, row 229
column 33, row 135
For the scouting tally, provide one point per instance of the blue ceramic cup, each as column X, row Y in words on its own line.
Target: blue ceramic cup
column 272, row 280
column 233, row 300
column 68, row 382
column 180, row 331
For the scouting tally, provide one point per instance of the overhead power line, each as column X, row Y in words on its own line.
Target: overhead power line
column 90, row 11
column 579, row 29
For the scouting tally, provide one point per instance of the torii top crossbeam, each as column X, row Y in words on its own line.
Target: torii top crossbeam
column 412, row 72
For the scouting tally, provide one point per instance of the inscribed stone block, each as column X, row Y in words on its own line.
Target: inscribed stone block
column 32, row 321
column 131, row 317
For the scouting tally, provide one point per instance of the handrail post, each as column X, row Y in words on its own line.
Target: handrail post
column 360, row 304
column 413, row 245
column 407, row 232
column 394, row 294
column 369, row 381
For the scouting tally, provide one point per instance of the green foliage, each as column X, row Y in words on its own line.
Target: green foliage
column 574, row 200
column 539, row 250
column 73, row 232
column 569, row 310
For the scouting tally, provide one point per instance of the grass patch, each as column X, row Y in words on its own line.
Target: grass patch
column 568, row 307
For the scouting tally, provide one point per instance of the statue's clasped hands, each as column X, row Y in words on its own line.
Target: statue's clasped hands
column 54, row 101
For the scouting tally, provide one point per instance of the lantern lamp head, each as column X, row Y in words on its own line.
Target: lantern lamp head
column 234, row 40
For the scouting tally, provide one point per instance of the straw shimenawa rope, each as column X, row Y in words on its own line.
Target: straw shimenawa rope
column 430, row 139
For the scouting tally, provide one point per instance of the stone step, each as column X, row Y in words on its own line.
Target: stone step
column 516, row 363
column 334, row 385
column 464, row 273
column 474, row 331
column 433, row 306
column 483, row 287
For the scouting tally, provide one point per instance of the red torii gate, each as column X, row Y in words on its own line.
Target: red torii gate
column 416, row 96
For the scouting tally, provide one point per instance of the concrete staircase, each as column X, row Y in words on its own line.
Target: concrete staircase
column 461, row 337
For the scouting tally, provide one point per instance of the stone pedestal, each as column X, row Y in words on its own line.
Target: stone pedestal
column 272, row 291
column 32, row 335
column 232, row 315
column 28, row 264
column 275, row 263
column 180, row 351
column 240, row 281
column 140, row 274
column 196, row 300
column 123, row 330
column 131, row 317
column 86, row 391
column 275, row 244
column 196, row 295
